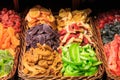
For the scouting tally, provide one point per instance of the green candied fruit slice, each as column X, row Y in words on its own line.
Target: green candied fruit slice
column 6, row 62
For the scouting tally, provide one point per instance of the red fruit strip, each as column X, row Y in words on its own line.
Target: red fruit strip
column 74, row 33
column 10, row 19
column 85, row 40
column 112, row 52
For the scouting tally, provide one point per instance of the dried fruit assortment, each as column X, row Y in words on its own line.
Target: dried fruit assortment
column 43, row 42
column 73, row 27
column 9, row 18
column 79, row 60
column 9, row 40
column 112, row 52
column 109, row 24
column 42, row 34
column 41, row 61
column 40, row 57
column 76, row 40
column 39, row 15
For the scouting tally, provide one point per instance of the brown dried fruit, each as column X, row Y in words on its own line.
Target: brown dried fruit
column 41, row 61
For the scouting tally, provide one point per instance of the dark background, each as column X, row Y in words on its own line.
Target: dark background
column 55, row 5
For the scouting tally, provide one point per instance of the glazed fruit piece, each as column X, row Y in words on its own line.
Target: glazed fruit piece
column 42, row 34
column 109, row 30
column 39, row 15
column 6, row 62
column 34, row 13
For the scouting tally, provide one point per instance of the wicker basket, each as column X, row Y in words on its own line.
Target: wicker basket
column 98, row 75
column 15, row 65
column 104, row 58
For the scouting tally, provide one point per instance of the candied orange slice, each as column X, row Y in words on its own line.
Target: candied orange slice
column 34, row 13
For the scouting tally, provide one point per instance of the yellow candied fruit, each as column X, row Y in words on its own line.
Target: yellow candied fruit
column 34, row 12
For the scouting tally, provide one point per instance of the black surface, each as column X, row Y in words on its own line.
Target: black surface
column 54, row 5
column 6, row 4
column 100, row 5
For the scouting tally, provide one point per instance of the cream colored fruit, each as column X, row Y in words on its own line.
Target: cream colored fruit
column 34, row 13
column 50, row 18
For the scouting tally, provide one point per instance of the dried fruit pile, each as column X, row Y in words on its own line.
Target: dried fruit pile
column 109, row 24
column 112, row 52
column 9, row 39
column 40, row 15
column 9, row 30
column 77, row 45
column 9, row 18
column 76, row 42
column 73, row 27
column 66, row 17
column 40, row 57
column 79, row 60
column 42, row 34
column 41, row 61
